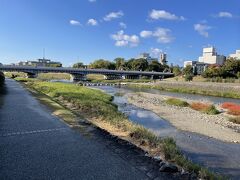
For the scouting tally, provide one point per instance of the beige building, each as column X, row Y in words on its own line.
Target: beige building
column 210, row 56
column 236, row 55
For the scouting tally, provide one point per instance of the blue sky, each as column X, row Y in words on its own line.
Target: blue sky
column 86, row 30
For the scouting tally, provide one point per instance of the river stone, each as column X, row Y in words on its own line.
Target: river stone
column 168, row 168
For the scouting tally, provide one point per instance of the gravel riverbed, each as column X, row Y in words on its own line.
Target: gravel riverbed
column 187, row 119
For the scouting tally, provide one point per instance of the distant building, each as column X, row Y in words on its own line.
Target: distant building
column 163, row 58
column 147, row 57
column 198, row 67
column 41, row 63
column 210, row 56
column 236, row 55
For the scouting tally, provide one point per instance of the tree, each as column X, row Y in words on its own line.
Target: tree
column 176, row 70
column 188, row 70
column 140, row 64
column 232, row 65
column 120, row 63
column 79, row 65
column 155, row 66
column 102, row 64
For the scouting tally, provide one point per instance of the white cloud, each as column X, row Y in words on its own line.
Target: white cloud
column 224, row 15
column 202, row 29
column 113, row 15
column 146, row 34
column 161, row 14
column 92, row 0
column 122, row 25
column 123, row 39
column 92, row 22
column 163, row 35
column 155, row 52
column 75, row 23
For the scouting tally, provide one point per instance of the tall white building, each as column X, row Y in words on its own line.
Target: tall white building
column 210, row 56
column 236, row 55
column 163, row 58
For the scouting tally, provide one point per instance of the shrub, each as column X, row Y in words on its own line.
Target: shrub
column 176, row 102
column 233, row 109
column 235, row 120
column 188, row 77
column 206, row 108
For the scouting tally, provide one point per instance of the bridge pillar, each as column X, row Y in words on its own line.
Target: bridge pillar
column 78, row 77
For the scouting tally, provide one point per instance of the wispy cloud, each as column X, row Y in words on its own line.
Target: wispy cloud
column 75, row 23
column 162, row 14
column 224, row 14
column 113, row 15
column 155, row 52
column 92, row 0
column 163, row 35
column 92, row 22
column 122, row 39
column 202, row 29
column 122, row 25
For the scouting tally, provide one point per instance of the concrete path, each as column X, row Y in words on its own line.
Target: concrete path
column 36, row 145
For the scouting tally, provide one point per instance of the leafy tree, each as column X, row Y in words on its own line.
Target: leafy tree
column 79, row 65
column 120, row 63
column 232, row 65
column 188, row 77
column 102, row 64
column 140, row 64
column 155, row 66
column 176, row 70
column 188, row 70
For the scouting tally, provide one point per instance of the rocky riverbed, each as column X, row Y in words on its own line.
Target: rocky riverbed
column 187, row 119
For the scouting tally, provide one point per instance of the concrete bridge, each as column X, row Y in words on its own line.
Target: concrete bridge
column 80, row 74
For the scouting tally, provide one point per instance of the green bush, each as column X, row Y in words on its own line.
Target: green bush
column 188, row 77
column 176, row 102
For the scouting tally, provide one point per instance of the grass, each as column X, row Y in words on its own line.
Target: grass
column 233, row 109
column 235, row 120
column 96, row 105
column 177, row 102
column 50, row 76
column 190, row 89
column 205, row 108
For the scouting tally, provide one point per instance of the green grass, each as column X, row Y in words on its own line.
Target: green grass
column 235, row 120
column 177, row 102
column 93, row 103
column 50, row 76
column 189, row 90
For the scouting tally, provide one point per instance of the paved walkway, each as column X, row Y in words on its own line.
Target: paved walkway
column 36, row 145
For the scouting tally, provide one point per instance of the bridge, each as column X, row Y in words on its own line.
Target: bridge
column 80, row 74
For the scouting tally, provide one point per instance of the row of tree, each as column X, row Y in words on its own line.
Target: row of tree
column 122, row 64
column 230, row 69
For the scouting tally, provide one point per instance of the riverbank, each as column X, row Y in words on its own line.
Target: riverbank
column 184, row 118
column 97, row 108
column 230, row 90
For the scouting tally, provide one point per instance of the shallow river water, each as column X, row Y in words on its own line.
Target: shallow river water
column 218, row 156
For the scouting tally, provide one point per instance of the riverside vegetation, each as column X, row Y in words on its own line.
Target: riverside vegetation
column 97, row 107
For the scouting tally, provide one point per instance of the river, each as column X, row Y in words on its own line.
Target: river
column 218, row 156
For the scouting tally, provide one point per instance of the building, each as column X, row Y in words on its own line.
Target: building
column 163, row 58
column 147, row 57
column 40, row 63
column 236, row 55
column 210, row 56
column 187, row 63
